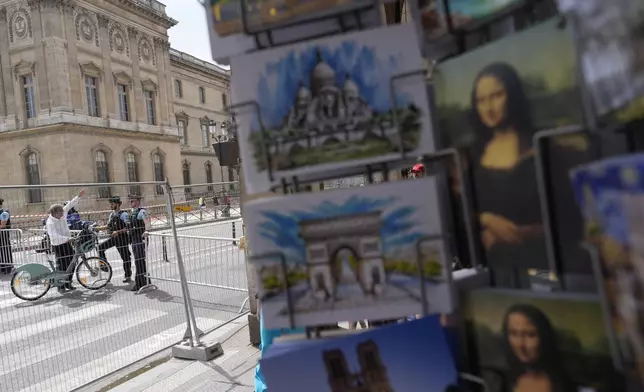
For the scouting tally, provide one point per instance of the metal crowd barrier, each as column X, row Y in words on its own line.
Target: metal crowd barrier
column 215, row 267
column 62, row 342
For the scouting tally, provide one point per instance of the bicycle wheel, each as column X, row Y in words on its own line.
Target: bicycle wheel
column 94, row 273
column 22, row 279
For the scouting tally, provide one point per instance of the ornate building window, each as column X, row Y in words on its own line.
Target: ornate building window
column 132, row 167
column 224, row 101
column 102, row 173
column 178, row 92
column 209, row 176
column 29, row 96
column 33, row 177
column 149, row 95
column 123, row 83
column 182, row 125
column 91, row 92
column 149, row 107
column 159, row 175
column 92, row 78
column 202, row 95
column 25, row 73
column 186, row 176
column 205, row 132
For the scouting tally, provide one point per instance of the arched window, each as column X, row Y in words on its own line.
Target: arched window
column 177, row 89
column 33, row 178
column 132, row 172
column 186, row 176
column 102, row 174
column 202, row 95
column 209, row 176
column 159, row 175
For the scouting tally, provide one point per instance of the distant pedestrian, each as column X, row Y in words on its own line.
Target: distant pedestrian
column 202, row 202
column 119, row 238
column 418, row 171
column 138, row 223
column 60, row 236
column 6, row 253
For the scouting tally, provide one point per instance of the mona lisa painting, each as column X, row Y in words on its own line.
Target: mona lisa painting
column 490, row 103
column 528, row 342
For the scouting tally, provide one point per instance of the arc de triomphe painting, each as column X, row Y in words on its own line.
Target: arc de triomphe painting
column 344, row 250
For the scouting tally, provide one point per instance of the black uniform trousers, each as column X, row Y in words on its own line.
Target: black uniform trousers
column 138, row 248
column 64, row 255
column 121, row 242
column 6, row 253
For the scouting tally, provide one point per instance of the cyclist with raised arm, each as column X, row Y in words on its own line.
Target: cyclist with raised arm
column 60, row 236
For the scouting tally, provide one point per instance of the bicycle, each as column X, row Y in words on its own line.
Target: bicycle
column 35, row 274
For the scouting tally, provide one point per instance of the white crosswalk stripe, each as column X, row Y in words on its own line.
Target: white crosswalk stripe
column 92, row 370
column 55, row 323
column 45, row 351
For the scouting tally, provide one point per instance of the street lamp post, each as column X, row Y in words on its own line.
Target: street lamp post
column 219, row 137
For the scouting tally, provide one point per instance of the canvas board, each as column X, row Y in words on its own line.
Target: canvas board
column 328, row 104
column 407, row 357
column 350, row 254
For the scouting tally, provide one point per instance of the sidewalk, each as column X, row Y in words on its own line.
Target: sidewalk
column 232, row 372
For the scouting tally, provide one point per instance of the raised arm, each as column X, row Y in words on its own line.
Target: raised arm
column 72, row 203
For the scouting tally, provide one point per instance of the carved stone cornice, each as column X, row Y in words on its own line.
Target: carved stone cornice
column 162, row 44
column 59, row 4
column 146, row 11
column 103, row 20
column 132, row 32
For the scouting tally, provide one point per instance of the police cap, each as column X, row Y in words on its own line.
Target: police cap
column 115, row 199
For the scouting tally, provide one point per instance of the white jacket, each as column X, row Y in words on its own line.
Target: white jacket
column 58, row 229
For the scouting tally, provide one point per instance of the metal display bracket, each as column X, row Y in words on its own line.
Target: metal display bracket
column 347, row 20
column 545, row 190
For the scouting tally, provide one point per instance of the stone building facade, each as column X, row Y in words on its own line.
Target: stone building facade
column 90, row 91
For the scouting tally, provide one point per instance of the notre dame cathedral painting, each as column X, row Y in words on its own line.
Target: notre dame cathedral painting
column 371, row 377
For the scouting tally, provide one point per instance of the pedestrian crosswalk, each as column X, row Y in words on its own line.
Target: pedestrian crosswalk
column 60, row 343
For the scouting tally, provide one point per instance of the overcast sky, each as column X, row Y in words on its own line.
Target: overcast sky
column 191, row 34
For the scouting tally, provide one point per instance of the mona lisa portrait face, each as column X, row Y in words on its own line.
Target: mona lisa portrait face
column 523, row 338
column 534, row 342
column 491, row 101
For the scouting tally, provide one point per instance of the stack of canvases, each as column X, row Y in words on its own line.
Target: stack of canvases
column 315, row 111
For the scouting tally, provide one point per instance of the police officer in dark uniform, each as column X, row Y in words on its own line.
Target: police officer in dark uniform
column 137, row 226
column 117, row 227
column 6, row 253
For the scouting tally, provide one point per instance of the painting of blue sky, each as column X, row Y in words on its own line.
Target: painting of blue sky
column 369, row 69
column 398, row 226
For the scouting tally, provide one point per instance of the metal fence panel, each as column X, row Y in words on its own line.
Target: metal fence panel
column 65, row 340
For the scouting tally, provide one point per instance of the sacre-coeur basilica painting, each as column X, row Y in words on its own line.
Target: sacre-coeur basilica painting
column 322, row 105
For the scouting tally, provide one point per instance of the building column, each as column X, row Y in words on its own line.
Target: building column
column 7, row 100
column 161, row 49
column 137, row 89
column 42, row 93
column 72, row 59
column 168, row 84
column 56, row 57
column 107, row 93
